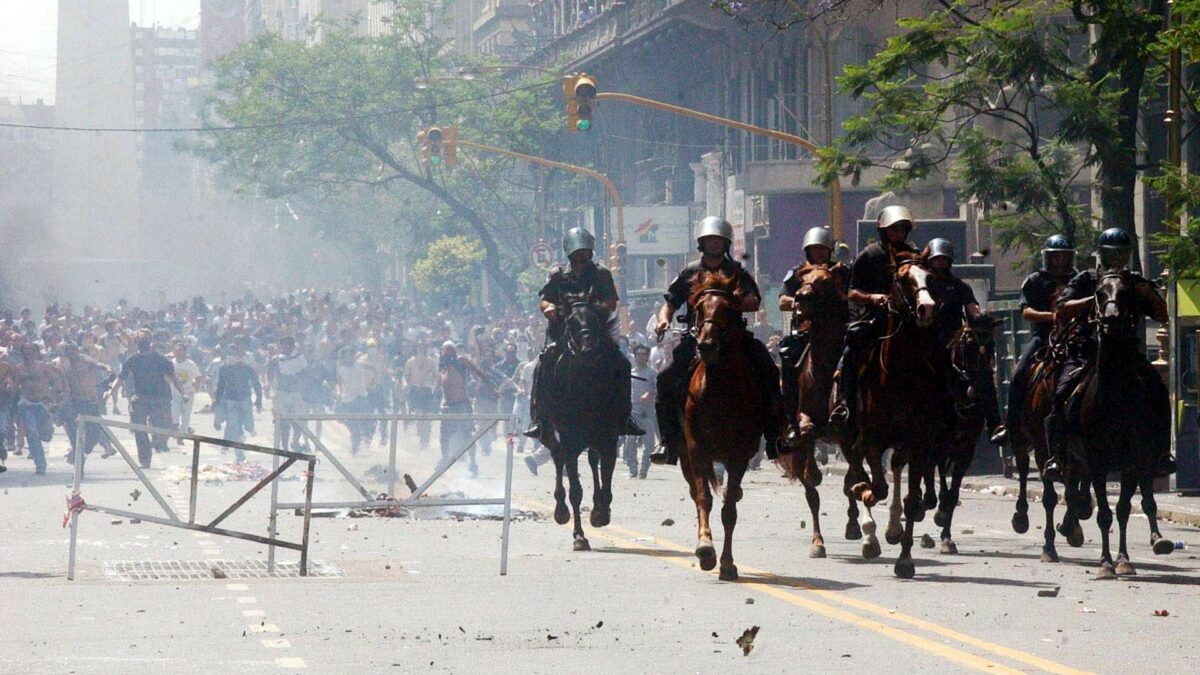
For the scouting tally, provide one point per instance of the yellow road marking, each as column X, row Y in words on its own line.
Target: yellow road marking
column 825, row 609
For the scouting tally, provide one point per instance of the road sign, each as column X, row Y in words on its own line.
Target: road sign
column 541, row 255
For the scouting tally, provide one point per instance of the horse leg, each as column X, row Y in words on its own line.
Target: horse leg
column 700, row 475
column 930, row 498
column 946, row 466
column 1049, row 501
column 948, row 506
column 733, row 494
column 1161, row 545
column 608, row 464
column 853, row 531
column 879, row 487
column 814, row 507
column 894, row 528
column 576, row 494
column 1020, row 519
column 1104, row 518
column 1070, row 527
column 1129, row 485
column 597, row 488
column 904, row 567
column 561, row 513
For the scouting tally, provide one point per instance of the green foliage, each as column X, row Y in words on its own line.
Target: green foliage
column 1009, row 99
column 449, row 266
column 335, row 120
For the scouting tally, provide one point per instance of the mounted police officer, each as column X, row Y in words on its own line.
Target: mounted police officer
column 818, row 250
column 1115, row 249
column 871, row 279
column 956, row 303
column 1038, row 296
column 714, row 238
column 582, row 277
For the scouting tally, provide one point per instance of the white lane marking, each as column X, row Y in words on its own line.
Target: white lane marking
column 253, row 613
column 276, row 643
column 237, row 587
column 291, row 662
column 264, row 628
column 247, row 600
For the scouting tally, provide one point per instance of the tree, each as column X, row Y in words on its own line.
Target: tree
column 448, row 261
column 1015, row 100
column 339, row 116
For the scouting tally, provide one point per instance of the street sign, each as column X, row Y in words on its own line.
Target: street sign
column 657, row 230
column 541, row 255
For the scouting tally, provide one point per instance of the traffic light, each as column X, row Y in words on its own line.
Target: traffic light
column 580, row 92
column 431, row 141
column 450, row 146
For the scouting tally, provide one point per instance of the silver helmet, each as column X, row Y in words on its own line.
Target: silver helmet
column 939, row 248
column 893, row 215
column 578, row 239
column 818, row 236
column 714, row 226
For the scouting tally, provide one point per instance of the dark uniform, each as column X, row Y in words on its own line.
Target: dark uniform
column 1040, row 292
column 953, row 296
column 793, row 346
column 872, row 272
column 673, row 382
column 1083, row 352
column 595, row 283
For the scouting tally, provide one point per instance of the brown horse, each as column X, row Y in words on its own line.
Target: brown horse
column 1032, row 436
column 903, row 405
column 723, row 416
column 821, row 303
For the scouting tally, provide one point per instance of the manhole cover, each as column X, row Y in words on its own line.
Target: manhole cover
column 149, row 570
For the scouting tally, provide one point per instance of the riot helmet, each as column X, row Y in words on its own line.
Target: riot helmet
column 714, row 226
column 821, row 237
column 941, row 248
column 1115, row 246
column 578, row 239
column 1058, row 256
column 894, row 215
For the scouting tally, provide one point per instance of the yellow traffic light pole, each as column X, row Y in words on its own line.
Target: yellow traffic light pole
column 835, row 190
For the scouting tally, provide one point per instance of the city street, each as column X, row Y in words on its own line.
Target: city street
column 423, row 592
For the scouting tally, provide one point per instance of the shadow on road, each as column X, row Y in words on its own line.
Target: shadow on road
column 29, row 575
column 803, row 583
column 648, row 552
column 982, row 581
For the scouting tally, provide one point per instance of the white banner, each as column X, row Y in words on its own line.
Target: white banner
column 657, row 230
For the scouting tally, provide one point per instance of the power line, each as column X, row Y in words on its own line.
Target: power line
column 278, row 125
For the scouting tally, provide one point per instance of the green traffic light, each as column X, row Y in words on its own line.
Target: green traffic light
column 436, row 159
column 583, row 125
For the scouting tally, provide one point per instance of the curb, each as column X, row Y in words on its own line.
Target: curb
column 1033, row 494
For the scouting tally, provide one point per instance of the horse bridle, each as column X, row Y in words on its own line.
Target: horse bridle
column 570, row 309
column 1098, row 307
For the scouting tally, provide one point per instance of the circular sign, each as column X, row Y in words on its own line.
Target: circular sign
column 541, row 255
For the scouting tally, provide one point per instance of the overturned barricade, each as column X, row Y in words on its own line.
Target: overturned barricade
column 76, row 504
column 389, row 500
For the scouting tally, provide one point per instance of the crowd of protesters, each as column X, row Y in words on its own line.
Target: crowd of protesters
column 337, row 351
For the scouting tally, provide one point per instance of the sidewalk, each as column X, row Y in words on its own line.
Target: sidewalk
column 1171, row 506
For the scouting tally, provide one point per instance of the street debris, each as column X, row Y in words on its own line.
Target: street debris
column 217, row 573
column 668, row 522
column 135, row 494
column 412, row 486
column 1161, row 612
column 1048, row 593
column 746, row 641
column 749, row 601
column 216, row 474
column 926, row 541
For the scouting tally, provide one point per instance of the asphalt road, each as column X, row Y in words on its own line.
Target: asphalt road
column 423, row 593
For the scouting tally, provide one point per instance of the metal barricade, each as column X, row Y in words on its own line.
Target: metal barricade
column 370, row 501
column 76, row 504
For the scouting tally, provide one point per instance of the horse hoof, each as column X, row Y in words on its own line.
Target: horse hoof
column 941, row 518
column 561, row 514
column 708, row 556
column 1020, row 523
column 893, row 535
column 1125, row 569
column 581, row 544
column 1106, row 573
column 1075, row 539
column 817, row 551
column 929, row 501
column 868, row 528
column 599, row 517
column 1049, row 556
column 949, row 547
column 869, row 499
column 728, row 572
column 853, row 532
column 871, row 549
column 905, row 569
column 1163, row 547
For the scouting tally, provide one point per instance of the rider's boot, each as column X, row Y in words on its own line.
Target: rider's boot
column 1166, row 465
column 668, row 431
column 536, row 427
column 630, row 427
column 1056, row 444
column 840, row 415
column 788, row 371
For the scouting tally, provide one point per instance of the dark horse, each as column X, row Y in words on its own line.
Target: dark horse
column 972, row 353
column 903, row 405
column 723, row 416
column 1032, row 435
column 1116, row 416
column 586, row 416
column 821, row 302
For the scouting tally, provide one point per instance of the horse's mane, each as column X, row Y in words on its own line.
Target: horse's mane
column 606, row 319
column 712, row 281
